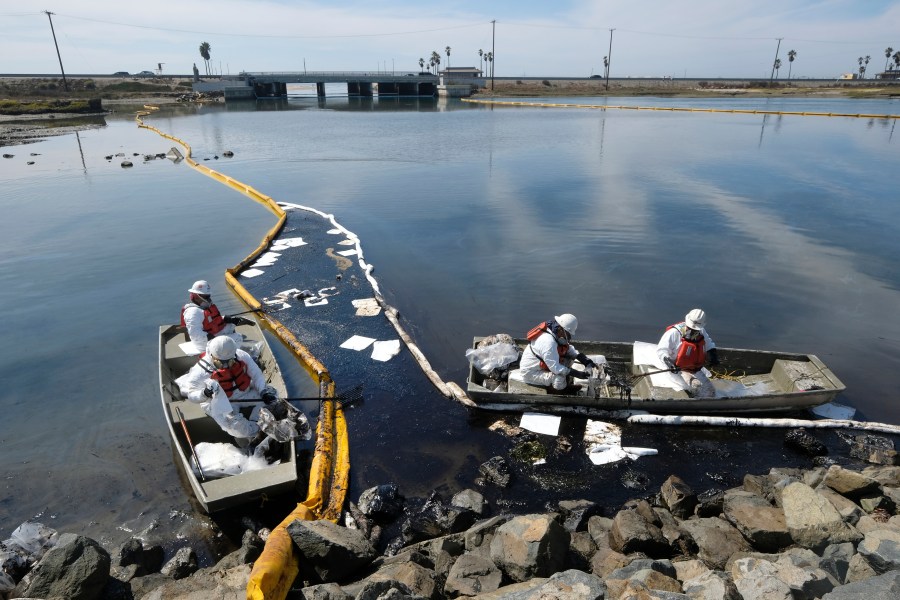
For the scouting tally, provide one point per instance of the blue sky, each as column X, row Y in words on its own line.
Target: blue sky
column 698, row 38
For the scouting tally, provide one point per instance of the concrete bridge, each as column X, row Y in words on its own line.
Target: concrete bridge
column 359, row 83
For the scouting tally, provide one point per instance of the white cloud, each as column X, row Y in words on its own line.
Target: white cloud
column 700, row 38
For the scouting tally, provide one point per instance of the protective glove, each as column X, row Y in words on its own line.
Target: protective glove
column 713, row 357
column 671, row 365
column 268, row 396
column 210, row 390
column 579, row 374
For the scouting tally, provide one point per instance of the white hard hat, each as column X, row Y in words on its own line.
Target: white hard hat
column 567, row 322
column 696, row 319
column 222, row 347
column 200, row 287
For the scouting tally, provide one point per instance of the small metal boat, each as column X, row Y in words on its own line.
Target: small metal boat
column 748, row 381
column 189, row 425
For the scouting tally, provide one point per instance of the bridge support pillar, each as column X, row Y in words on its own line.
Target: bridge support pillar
column 320, row 89
column 359, row 88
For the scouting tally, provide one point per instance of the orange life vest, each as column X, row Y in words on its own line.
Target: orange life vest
column 232, row 378
column 536, row 331
column 213, row 321
column 691, row 354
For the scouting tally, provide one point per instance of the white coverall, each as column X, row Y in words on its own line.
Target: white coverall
column 544, row 348
column 219, row 406
column 698, row 384
column 193, row 321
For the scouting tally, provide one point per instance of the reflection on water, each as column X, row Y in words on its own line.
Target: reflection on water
column 478, row 220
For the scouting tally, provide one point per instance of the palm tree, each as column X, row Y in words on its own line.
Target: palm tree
column 421, row 64
column 605, row 65
column 447, row 50
column 896, row 59
column 204, row 52
column 862, row 69
column 489, row 58
column 792, row 54
column 480, row 59
column 887, row 56
column 866, row 60
column 777, row 66
column 435, row 60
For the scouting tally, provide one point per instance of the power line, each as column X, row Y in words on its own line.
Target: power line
column 259, row 35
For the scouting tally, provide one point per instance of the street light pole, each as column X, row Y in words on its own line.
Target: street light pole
column 777, row 48
column 493, row 32
column 65, row 83
column 609, row 65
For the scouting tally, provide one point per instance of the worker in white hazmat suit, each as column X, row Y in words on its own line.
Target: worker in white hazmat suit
column 203, row 320
column 685, row 348
column 225, row 373
column 547, row 360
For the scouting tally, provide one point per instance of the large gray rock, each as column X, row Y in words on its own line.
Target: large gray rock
column 874, row 449
column 577, row 513
column 881, row 549
column 716, row 539
column 420, row 580
column 678, row 497
column 334, row 552
column 477, row 538
column 77, row 568
column 885, row 475
column 530, row 546
column 381, row 502
column 664, row 567
column 849, row 510
column 230, row 584
column 632, row 532
column 849, row 483
column 472, row 575
column 711, row 585
column 760, row 522
column 881, row 587
column 471, row 500
column 566, row 585
column 812, row 520
column 183, row 564
column 757, row 579
column 325, row 591
column 859, row 569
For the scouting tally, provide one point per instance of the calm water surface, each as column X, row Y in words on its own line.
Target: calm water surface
column 478, row 220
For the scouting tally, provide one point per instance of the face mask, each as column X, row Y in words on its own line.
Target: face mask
column 223, row 364
column 204, row 301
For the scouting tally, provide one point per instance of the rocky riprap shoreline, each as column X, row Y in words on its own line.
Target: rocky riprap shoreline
column 827, row 532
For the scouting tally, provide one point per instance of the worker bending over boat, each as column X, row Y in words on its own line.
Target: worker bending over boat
column 203, row 320
column 225, row 373
column 684, row 349
column 547, row 360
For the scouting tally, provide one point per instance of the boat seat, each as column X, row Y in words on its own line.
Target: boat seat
column 515, row 385
column 798, row 376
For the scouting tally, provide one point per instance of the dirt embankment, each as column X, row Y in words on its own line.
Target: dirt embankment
column 686, row 89
column 34, row 108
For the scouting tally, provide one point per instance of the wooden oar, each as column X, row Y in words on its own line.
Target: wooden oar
column 190, row 443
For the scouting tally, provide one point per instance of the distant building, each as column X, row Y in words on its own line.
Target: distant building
column 458, row 73
column 848, row 76
column 892, row 74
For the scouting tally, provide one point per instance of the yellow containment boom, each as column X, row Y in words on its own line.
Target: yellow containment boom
column 275, row 570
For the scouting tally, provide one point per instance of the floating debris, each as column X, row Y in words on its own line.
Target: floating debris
column 127, row 163
column 228, row 154
column 8, row 155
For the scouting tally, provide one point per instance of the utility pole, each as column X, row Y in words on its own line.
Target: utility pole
column 65, row 83
column 777, row 48
column 493, row 32
column 609, row 60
